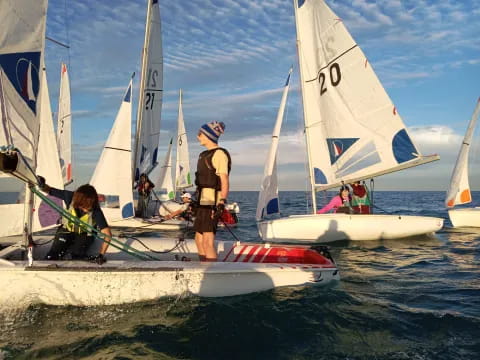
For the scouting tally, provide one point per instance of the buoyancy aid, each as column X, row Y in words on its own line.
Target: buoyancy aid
column 360, row 196
column 78, row 229
column 205, row 176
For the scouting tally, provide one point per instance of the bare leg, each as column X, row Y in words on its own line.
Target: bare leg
column 200, row 246
column 209, row 246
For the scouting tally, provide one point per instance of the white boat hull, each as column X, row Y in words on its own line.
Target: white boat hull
column 242, row 269
column 465, row 217
column 324, row 228
column 115, row 220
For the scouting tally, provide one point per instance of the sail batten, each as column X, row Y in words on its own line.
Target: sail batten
column 459, row 190
column 352, row 128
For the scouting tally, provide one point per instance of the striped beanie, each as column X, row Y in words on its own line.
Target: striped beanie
column 213, row 130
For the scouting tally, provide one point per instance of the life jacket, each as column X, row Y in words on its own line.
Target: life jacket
column 360, row 196
column 78, row 229
column 205, row 176
column 228, row 217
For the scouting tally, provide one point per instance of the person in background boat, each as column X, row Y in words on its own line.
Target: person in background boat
column 341, row 203
column 83, row 204
column 172, row 209
column 144, row 188
column 212, row 181
column 360, row 198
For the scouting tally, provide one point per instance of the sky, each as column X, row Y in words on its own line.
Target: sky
column 231, row 58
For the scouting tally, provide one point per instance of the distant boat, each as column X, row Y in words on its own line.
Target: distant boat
column 183, row 178
column 64, row 127
column 459, row 190
column 118, row 146
column 161, row 176
column 353, row 132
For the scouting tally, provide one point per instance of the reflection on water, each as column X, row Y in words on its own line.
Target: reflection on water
column 415, row 298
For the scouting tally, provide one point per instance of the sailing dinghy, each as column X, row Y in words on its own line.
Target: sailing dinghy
column 112, row 175
column 143, row 276
column 64, row 127
column 353, row 132
column 459, row 190
column 146, row 137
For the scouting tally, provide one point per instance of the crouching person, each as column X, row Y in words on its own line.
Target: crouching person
column 74, row 238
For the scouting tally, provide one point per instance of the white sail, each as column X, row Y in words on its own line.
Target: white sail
column 182, row 169
column 151, row 93
column 21, row 58
column 268, row 198
column 113, row 176
column 64, row 126
column 22, row 43
column 48, row 165
column 162, row 177
column 353, row 130
column 459, row 190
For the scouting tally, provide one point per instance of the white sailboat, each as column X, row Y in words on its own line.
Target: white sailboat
column 146, row 137
column 162, row 177
column 110, row 177
column 459, row 190
column 183, row 179
column 64, row 127
column 150, row 95
column 353, row 132
column 243, row 268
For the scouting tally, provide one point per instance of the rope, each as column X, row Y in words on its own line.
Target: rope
column 230, row 230
column 103, row 237
column 177, row 244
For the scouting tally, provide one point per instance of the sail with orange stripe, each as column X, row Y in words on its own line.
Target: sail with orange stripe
column 459, row 191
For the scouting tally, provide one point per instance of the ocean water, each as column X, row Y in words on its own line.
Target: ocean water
column 416, row 298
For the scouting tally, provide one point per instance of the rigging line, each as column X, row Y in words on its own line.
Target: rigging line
column 331, row 61
column 57, row 42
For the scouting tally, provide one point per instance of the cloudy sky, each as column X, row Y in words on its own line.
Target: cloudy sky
column 231, row 58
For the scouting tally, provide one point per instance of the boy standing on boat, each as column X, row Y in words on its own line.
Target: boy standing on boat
column 211, row 179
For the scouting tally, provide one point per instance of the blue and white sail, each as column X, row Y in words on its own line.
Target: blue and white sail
column 459, row 191
column 268, row 203
column 353, row 130
column 150, row 96
column 112, row 175
column 22, row 43
column 162, row 177
column 183, row 178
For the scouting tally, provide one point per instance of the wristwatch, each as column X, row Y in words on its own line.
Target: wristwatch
column 223, row 200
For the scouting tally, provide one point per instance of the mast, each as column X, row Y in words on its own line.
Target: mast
column 302, row 81
column 141, row 95
column 177, row 162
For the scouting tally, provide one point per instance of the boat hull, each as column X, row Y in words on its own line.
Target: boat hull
column 465, row 217
column 115, row 220
column 242, row 268
column 323, row 228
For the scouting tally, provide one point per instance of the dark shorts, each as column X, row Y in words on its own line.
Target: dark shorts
column 203, row 220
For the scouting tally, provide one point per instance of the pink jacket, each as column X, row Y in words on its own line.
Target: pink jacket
column 335, row 203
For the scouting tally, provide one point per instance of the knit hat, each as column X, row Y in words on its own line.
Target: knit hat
column 213, row 130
